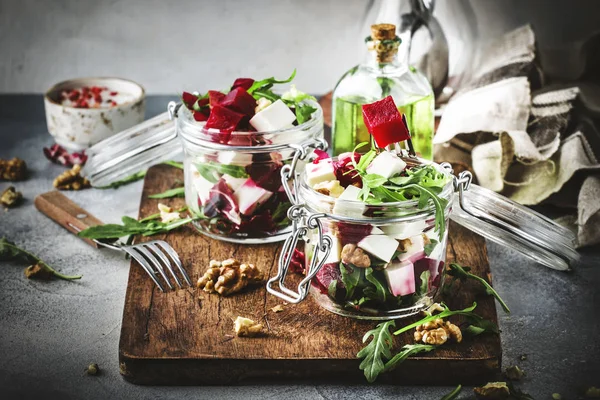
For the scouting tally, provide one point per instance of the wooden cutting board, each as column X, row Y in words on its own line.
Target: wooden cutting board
column 186, row 336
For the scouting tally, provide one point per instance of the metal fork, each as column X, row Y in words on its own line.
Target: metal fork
column 153, row 256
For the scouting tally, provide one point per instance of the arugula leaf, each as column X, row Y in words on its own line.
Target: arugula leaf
column 268, row 82
column 380, row 347
column 11, row 252
column 407, row 351
column 458, row 272
column 177, row 192
column 350, row 279
column 131, row 227
column 365, row 160
column 304, row 112
column 332, row 289
column 208, row 169
column 453, row 394
column 443, row 314
column 429, row 247
column 373, row 180
column 125, row 181
column 380, row 292
column 267, row 94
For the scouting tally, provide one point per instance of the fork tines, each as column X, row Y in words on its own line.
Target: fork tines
column 156, row 255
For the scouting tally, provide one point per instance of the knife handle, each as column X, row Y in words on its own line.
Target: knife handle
column 66, row 213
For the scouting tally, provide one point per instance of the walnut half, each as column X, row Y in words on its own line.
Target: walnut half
column 229, row 276
column 71, row 180
column 355, row 256
column 13, row 170
column 437, row 332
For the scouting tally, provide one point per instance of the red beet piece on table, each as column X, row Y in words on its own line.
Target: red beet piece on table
column 384, row 122
column 239, row 100
column 244, row 83
column 215, row 97
column 224, row 119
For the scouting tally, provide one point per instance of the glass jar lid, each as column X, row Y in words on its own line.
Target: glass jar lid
column 504, row 221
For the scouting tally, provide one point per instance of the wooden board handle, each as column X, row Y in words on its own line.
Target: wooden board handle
column 66, row 213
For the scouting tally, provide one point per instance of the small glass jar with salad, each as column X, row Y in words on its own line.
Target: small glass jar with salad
column 375, row 225
column 235, row 144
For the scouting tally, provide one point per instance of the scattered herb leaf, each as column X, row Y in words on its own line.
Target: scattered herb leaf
column 11, row 252
column 125, row 181
column 378, row 349
column 462, row 273
column 177, row 192
column 405, row 352
column 175, row 164
column 453, row 394
column 131, row 227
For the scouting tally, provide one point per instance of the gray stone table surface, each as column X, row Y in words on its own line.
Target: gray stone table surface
column 50, row 331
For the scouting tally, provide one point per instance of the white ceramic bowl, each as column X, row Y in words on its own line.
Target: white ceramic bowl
column 78, row 128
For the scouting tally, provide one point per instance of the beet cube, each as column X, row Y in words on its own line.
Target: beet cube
column 239, row 100
column 215, row 97
column 384, row 122
column 189, row 100
column 199, row 116
column 223, row 119
column 244, row 83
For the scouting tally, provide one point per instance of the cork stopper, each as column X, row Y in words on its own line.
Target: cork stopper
column 383, row 31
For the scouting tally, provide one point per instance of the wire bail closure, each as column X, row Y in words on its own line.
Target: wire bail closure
column 302, row 222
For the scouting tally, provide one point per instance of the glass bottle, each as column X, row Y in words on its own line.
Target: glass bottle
column 385, row 73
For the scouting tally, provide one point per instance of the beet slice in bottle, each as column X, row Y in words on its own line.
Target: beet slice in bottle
column 384, row 122
column 244, row 83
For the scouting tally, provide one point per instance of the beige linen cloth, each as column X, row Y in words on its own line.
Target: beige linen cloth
column 527, row 125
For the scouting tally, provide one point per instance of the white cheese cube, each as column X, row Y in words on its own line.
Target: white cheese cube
column 386, row 164
column 376, row 231
column 401, row 278
column 319, row 172
column 404, row 230
column 380, row 246
column 343, row 207
column 335, row 255
column 201, row 184
column 273, row 117
column 414, row 248
column 226, row 157
column 249, row 196
column 234, row 183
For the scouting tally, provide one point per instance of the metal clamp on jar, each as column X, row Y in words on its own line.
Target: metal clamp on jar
column 409, row 273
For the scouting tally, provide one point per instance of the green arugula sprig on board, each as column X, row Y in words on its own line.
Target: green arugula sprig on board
column 11, row 252
column 176, row 192
column 136, row 177
column 462, row 273
column 423, row 183
column 376, row 355
column 132, row 226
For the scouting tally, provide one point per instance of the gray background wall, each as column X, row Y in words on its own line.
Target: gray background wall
column 173, row 45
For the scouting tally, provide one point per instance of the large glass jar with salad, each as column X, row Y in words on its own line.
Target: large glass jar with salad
column 235, row 144
column 375, row 225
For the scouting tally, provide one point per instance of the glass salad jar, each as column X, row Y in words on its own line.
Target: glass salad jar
column 232, row 180
column 385, row 261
